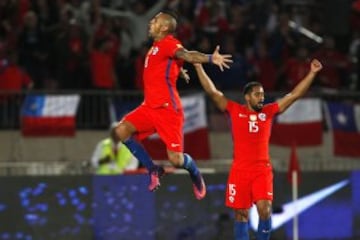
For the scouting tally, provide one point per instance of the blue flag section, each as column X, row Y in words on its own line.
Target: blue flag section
column 33, row 105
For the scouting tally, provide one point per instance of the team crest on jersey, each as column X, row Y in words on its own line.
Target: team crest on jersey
column 262, row 116
column 154, row 51
column 253, row 117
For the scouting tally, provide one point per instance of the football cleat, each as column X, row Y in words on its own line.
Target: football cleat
column 155, row 176
column 199, row 187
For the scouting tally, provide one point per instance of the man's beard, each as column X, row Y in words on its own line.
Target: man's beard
column 258, row 107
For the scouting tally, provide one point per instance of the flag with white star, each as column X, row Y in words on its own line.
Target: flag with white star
column 344, row 122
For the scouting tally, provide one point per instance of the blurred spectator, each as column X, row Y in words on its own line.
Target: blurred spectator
column 102, row 69
column 283, row 40
column 50, row 36
column 106, row 30
column 273, row 18
column 241, row 28
column 355, row 15
column 12, row 76
column 112, row 157
column 71, row 56
column 34, row 50
column 294, row 69
column 354, row 54
column 211, row 18
column 186, row 15
column 336, row 65
column 139, row 16
column 264, row 68
column 102, row 65
column 13, row 79
column 240, row 71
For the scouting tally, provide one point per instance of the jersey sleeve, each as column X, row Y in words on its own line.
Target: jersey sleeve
column 171, row 46
column 273, row 108
column 230, row 105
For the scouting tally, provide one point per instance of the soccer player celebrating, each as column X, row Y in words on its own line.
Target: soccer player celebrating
column 161, row 110
column 250, row 177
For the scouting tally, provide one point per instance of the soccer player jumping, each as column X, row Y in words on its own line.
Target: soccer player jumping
column 161, row 110
column 251, row 178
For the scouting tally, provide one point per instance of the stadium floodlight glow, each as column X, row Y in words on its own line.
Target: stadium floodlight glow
column 294, row 208
column 306, row 32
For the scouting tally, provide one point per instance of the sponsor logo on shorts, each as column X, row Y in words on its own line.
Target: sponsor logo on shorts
column 175, row 145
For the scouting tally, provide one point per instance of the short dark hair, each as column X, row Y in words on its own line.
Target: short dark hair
column 172, row 13
column 171, row 19
column 249, row 86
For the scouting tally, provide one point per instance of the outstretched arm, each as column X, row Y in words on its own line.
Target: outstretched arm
column 221, row 60
column 209, row 87
column 301, row 88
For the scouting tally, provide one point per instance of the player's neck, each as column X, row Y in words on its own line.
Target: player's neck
column 161, row 36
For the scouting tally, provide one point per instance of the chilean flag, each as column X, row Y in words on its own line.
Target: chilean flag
column 344, row 122
column 301, row 124
column 49, row 115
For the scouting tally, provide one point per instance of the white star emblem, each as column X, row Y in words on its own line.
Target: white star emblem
column 341, row 118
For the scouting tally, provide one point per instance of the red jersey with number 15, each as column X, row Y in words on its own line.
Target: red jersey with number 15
column 251, row 134
column 161, row 71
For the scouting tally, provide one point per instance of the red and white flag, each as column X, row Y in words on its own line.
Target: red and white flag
column 196, row 136
column 301, row 124
column 49, row 115
column 344, row 122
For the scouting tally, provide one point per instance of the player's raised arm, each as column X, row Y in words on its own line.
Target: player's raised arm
column 301, row 88
column 209, row 87
column 221, row 60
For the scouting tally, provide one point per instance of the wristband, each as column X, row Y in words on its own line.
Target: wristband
column 210, row 58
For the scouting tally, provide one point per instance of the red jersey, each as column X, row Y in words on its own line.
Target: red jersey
column 251, row 134
column 161, row 70
column 14, row 78
column 102, row 69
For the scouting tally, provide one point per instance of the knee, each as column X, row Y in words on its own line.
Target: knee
column 176, row 159
column 121, row 132
column 242, row 215
column 264, row 211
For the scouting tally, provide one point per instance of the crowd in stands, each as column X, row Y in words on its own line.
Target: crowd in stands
column 101, row 44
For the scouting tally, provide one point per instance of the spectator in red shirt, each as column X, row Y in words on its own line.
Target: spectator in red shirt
column 211, row 19
column 264, row 68
column 336, row 65
column 102, row 65
column 13, row 79
column 295, row 68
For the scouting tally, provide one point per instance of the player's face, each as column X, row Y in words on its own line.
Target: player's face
column 154, row 26
column 256, row 98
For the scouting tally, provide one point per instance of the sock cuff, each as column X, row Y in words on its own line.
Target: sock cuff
column 187, row 160
column 265, row 224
